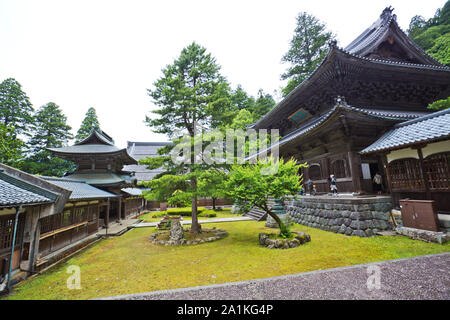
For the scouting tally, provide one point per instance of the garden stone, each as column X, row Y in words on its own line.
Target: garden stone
column 348, row 231
column 347, row 222
column 359, row 233
column 369, row 232
column 342, row 229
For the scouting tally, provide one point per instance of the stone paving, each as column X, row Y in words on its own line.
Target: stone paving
column 425, row 277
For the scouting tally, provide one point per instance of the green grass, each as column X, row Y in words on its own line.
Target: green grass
column 225, row 213
column 132, row 264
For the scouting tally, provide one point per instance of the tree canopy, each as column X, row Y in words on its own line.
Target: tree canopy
column 253, row 185
column 433, row 35
column 308, row 48
column 90, row 122
column 50, row 131
column 16, row 109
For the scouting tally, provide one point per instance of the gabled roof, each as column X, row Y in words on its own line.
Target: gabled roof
column 432, row 127
column 341, row 107
column 97, row 136
column 80, row 190
column 387, row 28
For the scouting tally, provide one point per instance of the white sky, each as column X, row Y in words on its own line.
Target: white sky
column 105, row 54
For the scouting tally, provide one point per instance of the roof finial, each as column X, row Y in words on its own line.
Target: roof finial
column 387, row 12
column 340, row 100
column 332, row 43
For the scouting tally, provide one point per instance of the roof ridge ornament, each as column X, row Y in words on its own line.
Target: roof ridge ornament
column 340, row 100
column 332, row 43
column 387, row 13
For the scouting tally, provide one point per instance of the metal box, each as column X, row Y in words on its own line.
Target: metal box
column 419, row 214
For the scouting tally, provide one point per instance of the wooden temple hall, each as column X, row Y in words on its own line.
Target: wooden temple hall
column 355, row 96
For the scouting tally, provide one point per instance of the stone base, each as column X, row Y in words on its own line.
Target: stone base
column 300, row 239
column 216, row 234
column 352, row 216
column 424, row 235
column 271, row 223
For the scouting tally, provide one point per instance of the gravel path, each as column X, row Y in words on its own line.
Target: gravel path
column 201, row 221
column 426, row 277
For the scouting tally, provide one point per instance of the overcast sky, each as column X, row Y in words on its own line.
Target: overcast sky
column 105, row 54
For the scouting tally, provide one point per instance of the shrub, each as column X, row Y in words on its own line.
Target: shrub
column 208, row 214
column 184, row 212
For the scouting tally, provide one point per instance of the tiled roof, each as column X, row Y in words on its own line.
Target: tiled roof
column 381, row 114
column 87, row 148
column 80, row 190
column 14, row 191
column 101, row 178
column 427, row 128
column 133, row 191
column 142, row 150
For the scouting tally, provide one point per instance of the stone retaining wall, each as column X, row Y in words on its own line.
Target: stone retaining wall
column 361, row 217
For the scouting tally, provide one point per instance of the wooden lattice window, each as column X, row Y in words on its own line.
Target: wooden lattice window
column 437, row 167
column 339, row 168
column 7, row 231
column 406, row 175
column 315, row 172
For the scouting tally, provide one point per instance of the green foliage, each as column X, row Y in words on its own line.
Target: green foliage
column 190, row 91
column 256, row 108
column 253, row 185
column 11, row 149
column 50, row 131
column 89, row 123
column 433, row 35
column 184, row 212
column 308, row 48
column 15, row 107
column 441, row 49
column 243, row 119
column 440, row 104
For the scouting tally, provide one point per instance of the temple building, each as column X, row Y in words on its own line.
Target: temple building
column 356, row 95
column 100, row 163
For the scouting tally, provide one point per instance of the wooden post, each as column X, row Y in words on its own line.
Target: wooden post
column 119, row 209
column 386, row 172
column 108, row 207
column 424, row 174
column 355, row 168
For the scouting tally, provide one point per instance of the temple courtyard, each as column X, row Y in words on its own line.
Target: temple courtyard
column 131, row 264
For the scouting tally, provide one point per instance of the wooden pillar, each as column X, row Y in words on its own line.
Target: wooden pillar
column 119, row 209
column 355, row 168
column 108, row 207
column 31, row 235
column 387, row 173
column 425, row 177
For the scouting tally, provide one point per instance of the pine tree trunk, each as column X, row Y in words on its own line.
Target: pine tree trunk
column 214, row 203
column 195, row 226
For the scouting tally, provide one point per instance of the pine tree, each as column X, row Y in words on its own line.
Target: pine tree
column 15, row 107
column 89, row 123
column 50, row 131
column 190, row 92
column 308, row 48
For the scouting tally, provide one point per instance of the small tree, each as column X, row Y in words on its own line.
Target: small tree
column 211, row 183
column 253, row 185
